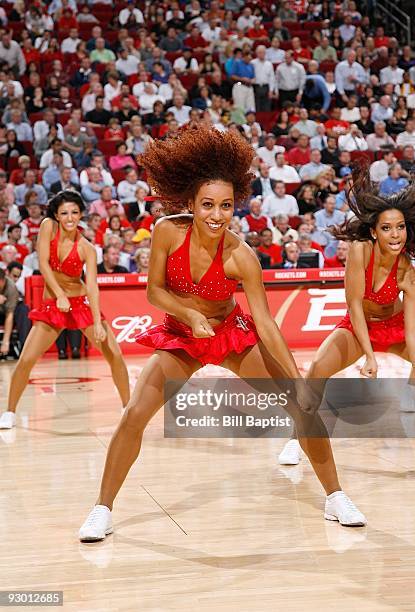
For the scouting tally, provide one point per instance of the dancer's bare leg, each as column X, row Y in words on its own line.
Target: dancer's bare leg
column 40, row 338
column 112, row 354
column 147, row 398
column 256, row 362
column 338, row 351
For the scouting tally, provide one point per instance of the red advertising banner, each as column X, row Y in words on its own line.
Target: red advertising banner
column 306, row 304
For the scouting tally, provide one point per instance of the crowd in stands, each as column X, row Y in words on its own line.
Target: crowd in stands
column 85, row 86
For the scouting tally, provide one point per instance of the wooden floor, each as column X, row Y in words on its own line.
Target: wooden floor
column 209, row 525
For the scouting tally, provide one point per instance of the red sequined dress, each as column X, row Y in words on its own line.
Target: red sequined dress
column 390, row 331
column 80, row 314
column 233, row 334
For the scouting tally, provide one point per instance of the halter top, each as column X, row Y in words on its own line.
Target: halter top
column 213, row 285
column 72, row 264
column 389, row 291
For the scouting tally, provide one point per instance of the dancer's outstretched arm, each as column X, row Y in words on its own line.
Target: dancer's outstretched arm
column 408, row 287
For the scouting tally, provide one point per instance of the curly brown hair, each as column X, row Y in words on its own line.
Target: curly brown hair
column 367, row 204
column 178, row 166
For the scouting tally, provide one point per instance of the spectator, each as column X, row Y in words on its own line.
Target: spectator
column 9, row 298
column 274, row 53
column 14, row 237
column 268, row 152
column 255, row 221
column 340, row 258
column 11, row 53
column 408, row 136
column 353, row 140
column 273, row 251
column 291, row 256
column 122, row 159
column 382, row 110
column 324, row 52
column 278, row 31
column 379, row 170
column 29, row 184
column 329, row 216
column 101, row 54
column 282, row 171
column 300, row 155
column 186, row 63
column 335, row 126
column 130, row 16
column 310, row 171
column 65, row 182
column 56, row 146
column 17, row 272
column 304, row 125
column 70, row 44
column 105, row 203
column 279, row 202
column 22, row 129
column 392, row 73
column 365, row 124
column 243, row 76
column 348, row 74
column 263, row 185
column 264, row 80
column 142, row 260
column 253, row 240
column 305, row 245
column 179, row 109
column 109, row 264
column 408, row 159
column 290, row 79
column 394, row 183
column 31, row 225
column 380, row 139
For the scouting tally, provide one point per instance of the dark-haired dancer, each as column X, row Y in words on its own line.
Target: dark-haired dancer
column 195, row 266
column 68, row 302
column 378, row 268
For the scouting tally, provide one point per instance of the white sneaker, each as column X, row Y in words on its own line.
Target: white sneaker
column 7, row 420
column 290, row 454
column 97, row 525
column 340, row 508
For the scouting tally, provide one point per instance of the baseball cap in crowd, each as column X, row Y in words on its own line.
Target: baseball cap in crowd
column 141, row 234
column 345, row 171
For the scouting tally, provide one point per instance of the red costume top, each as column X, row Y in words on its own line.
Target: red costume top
column 213, row 285
column 72, row 264
column 389, row 291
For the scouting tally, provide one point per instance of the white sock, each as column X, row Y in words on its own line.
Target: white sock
column 334, row 494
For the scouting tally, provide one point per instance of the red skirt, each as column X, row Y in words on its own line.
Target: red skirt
column 236, row 333
column 78, row 317
column 382, row 334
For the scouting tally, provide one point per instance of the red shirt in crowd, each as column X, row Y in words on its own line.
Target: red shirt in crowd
column 274, row 251
column 255, row 224
column 22, row 251
column 33, row 227
column 334, row 262
column 298, row 157
column 194, row 43
column 337, row 126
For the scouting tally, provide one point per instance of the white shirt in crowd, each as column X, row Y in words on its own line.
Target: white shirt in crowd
column 180, row 114
column 41, row 130
column 106, row 177
column 69, row 45
column 180, row 65
column 286, row 173
column 126, row 191
column 268, row 156
column 349, row 142
column 272, row 206
column 128, row 66
column 264, row 73
column 125, row 14
column 47, row 158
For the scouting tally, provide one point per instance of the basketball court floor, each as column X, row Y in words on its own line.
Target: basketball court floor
column 201, row 524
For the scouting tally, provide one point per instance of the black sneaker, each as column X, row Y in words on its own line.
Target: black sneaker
column 76, row 353
column 62, row 355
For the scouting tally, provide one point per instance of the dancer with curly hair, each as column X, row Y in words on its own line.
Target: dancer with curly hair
column 378, row 269
column 195, row 266
column 68, row 302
